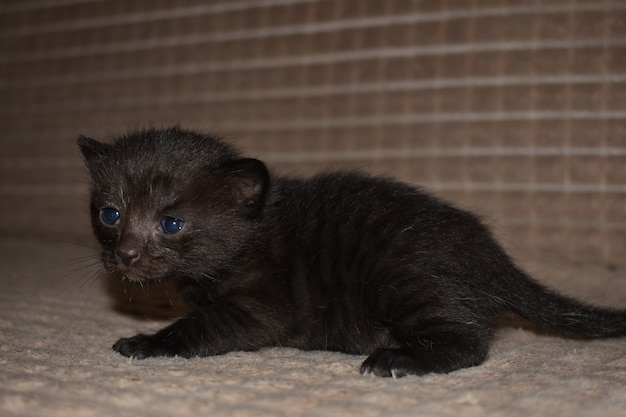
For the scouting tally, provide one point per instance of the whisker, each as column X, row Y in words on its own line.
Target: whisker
column 80, row 268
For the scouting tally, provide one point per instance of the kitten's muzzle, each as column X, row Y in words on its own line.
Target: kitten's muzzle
column 128, row 250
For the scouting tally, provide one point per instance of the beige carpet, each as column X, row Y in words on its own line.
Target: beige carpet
column 58, row 321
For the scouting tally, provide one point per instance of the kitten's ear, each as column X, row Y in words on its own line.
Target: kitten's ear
column 249, row 179
column 91, row 148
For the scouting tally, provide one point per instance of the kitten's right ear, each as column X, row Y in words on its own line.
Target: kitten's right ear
column 249, row 180
column 91, row 148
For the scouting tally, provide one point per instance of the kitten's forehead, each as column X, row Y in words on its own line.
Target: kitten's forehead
column 143, row 195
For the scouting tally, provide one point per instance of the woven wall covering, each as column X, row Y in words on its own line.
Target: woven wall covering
column 516, row 109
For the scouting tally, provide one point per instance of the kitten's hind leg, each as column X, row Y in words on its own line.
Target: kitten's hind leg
column 439, row 350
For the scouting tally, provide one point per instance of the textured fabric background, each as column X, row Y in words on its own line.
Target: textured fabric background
column 516, row 109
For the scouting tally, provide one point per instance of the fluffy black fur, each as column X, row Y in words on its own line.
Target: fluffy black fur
column 341, row 261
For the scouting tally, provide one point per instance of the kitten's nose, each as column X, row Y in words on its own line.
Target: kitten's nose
column 128, row 250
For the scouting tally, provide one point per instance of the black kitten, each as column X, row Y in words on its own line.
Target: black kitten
column 340, row 261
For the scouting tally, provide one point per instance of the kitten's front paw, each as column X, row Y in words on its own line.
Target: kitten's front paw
column 140, row 346
column 391, row 363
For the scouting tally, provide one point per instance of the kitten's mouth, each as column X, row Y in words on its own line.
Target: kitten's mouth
column 134, row 275
column 131, row 273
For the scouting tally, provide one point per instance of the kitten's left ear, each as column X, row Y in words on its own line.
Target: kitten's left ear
column 249, row 179
column 91, row 148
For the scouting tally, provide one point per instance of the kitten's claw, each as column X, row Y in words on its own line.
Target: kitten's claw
column 394, row 363
column 140, row 346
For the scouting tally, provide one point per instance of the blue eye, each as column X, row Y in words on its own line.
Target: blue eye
column 171, row 225
column 110, row 216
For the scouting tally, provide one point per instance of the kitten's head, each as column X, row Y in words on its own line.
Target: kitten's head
column 171, row 203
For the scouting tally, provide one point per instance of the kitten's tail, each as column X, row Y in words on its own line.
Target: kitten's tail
column 563, row 315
